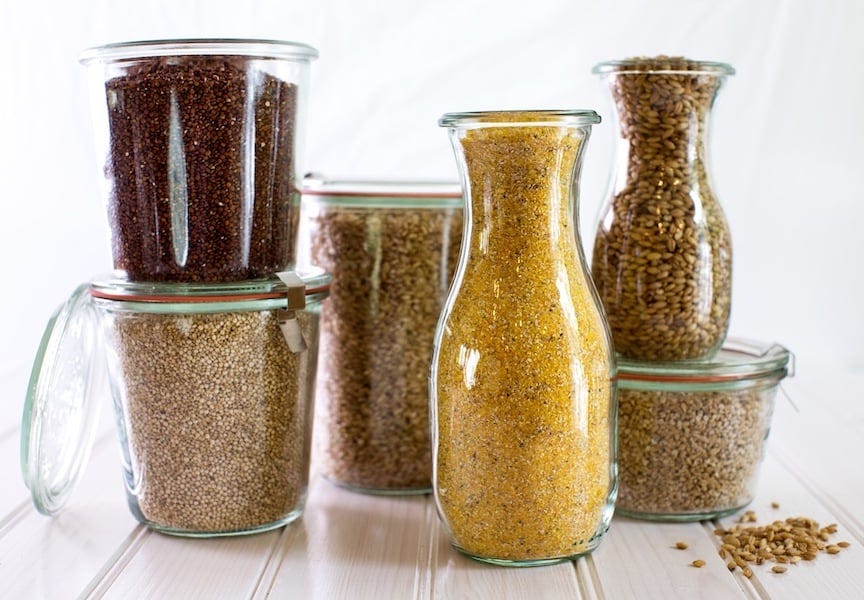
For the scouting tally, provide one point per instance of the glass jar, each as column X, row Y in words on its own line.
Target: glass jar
column 392, row 248
column 213, row 387
column 201, row 140
column 662, row 257
column 523, row 402
column 691, row 435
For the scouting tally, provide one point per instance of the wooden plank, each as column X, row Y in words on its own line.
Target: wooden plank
column 14, row 492
column 163, row 566
column 351, row 545
column 456, row 576
column 13, row 389
column 823, row 447
column 835, row 392
column 837, row 576
column 638, row 559
column 43, row 557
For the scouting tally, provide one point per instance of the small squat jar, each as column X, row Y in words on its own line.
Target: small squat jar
column 523, row 401
column 202, row 145
column 691, row 435
column 392, row 248
column 662, row 258
column 213, row 388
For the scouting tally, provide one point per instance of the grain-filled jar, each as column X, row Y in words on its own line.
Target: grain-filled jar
column 201, row 141
column 392, row 248
column 522, row 380
column 691, row 435
column 662, row 258
column 213, row 386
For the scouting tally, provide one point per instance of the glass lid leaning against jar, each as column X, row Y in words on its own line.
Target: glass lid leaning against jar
column 212, row 388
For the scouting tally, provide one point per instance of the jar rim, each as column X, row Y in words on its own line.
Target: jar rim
column 663, row 65
column 520, row 118
column 738, row 360
column 413, row 194
column 260, row 48
column 114, row 289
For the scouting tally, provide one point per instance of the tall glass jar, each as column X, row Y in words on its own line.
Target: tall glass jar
column 392, row 248
column 662, row 257
column 523, row 402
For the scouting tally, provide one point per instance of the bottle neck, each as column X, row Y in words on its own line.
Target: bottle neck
column 663, row 122
column 521, row 182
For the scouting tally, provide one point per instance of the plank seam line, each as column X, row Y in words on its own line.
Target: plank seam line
column 13, row 431
column 115, row 564
column 15, row 515
column 595, row 589
column 422, row 564
column 274, row 561
column 433, row 538
column 847, row 519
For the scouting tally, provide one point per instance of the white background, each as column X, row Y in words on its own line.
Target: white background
column 787, row 147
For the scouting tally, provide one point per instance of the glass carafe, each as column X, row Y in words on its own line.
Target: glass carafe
column 662, row 257
column 523, row 401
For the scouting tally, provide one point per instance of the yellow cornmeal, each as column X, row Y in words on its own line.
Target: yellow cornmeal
column 523, row 383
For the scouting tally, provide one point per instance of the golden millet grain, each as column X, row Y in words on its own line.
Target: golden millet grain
column 523, row 461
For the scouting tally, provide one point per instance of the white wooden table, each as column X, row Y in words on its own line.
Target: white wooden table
column 355, row 546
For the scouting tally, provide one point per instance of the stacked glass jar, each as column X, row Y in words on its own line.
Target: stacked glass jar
column 210, row 336
column 693, row 411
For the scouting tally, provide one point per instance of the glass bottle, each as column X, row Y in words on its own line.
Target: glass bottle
column 662, row 257
column 523, row 402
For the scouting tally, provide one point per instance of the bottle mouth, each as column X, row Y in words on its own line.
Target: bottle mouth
column 663, row 65
column 520, row 118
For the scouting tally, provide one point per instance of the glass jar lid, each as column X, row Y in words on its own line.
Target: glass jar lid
column 199, row 47
column 61, row 407
column 371, row 193
column 739, row 363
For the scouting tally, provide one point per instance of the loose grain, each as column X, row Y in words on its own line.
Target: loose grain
column 523, row 461
column 691, row 453
column 783, row 542
column 698, row 563
column 216, row 418
column 662, row 257
column 682, row 545
column 392, row 269
column 201, row 164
